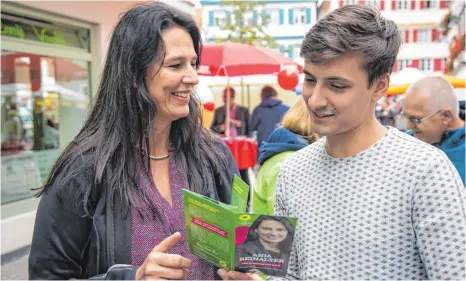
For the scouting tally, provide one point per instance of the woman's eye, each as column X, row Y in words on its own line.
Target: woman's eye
column 175, row 65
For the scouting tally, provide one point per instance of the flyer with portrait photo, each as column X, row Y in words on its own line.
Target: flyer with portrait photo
column 229, row 237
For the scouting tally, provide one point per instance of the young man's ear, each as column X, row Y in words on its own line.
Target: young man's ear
column 381, row 86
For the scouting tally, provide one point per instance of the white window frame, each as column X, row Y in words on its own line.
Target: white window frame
column 274, row 15
column 249, row 18
column 220, row 18
column 424, row 35
column 426, row 64
column 402, row 4
column 373, row 3
column 402, row 64
column 299, row 15
column 433, row 4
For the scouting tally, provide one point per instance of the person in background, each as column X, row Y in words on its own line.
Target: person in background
column 294, row 134
column 267, row 115
column 432, row 110
column 51, row 134
column 385, row 112
column 112, row 206
column 239, row 117
column 239, row 122
column 12, row 130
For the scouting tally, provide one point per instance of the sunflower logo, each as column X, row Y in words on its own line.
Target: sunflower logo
column 245, row 217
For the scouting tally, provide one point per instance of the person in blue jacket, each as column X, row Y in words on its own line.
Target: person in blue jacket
column 267, row 115
column 432, row 111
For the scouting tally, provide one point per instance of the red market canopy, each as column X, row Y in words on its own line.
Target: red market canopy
column 236, row 59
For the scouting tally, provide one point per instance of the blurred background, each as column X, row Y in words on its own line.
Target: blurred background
column 52, row 53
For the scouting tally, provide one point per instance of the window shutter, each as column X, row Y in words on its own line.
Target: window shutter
column 395, row 66
column 443, row 4
column 435, row 35
column 211, row 18
column 437, row 64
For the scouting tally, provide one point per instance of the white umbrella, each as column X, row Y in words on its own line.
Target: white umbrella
column 407, row 75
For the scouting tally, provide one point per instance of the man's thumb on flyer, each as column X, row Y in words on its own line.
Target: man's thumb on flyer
column 167, row 243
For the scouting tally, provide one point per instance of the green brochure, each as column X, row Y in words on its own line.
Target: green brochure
column 229, row 237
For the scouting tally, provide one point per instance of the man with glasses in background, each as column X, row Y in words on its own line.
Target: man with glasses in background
column 431, row 109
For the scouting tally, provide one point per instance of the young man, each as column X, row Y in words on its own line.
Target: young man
column 371, row 202
column 432, row 111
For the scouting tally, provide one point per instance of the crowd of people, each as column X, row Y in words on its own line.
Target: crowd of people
column 372, row 202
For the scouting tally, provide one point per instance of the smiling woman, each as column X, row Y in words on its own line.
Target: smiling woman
column 115, row 191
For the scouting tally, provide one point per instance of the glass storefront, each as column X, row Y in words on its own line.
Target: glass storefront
column 44, row 99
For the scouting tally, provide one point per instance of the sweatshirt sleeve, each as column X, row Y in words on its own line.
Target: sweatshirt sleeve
column 439, row 220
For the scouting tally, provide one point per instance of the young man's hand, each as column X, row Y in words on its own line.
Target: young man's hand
column 235, row 275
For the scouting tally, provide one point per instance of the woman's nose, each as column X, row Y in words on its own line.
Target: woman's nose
column 191, row 77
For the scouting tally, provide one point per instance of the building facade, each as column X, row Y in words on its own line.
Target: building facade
column 424, row 46
column 289, row 22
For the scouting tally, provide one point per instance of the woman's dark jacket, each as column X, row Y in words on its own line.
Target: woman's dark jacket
column 67, row 244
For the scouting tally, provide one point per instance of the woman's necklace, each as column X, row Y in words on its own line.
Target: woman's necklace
column 159, row 157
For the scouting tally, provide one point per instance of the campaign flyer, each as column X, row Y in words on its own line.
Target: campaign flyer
column 229, row 237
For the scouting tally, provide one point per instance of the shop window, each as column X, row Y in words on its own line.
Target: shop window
column 43, row 105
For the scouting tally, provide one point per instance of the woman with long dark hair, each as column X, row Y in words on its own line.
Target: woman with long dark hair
column 112, row 206
column 268, row 242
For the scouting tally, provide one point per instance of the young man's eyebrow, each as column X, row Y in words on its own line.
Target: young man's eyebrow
column 337, row 78
column 307, row 72
column 332, row 78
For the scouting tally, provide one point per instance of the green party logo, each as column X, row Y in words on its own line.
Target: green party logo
column 245, row 217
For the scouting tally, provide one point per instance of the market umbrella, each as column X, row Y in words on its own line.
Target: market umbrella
column 235, row 59
column 401, row 80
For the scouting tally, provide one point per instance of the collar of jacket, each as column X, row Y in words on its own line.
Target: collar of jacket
column 452, row 138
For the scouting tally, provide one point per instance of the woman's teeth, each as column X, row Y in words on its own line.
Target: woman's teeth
column 181, row 94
